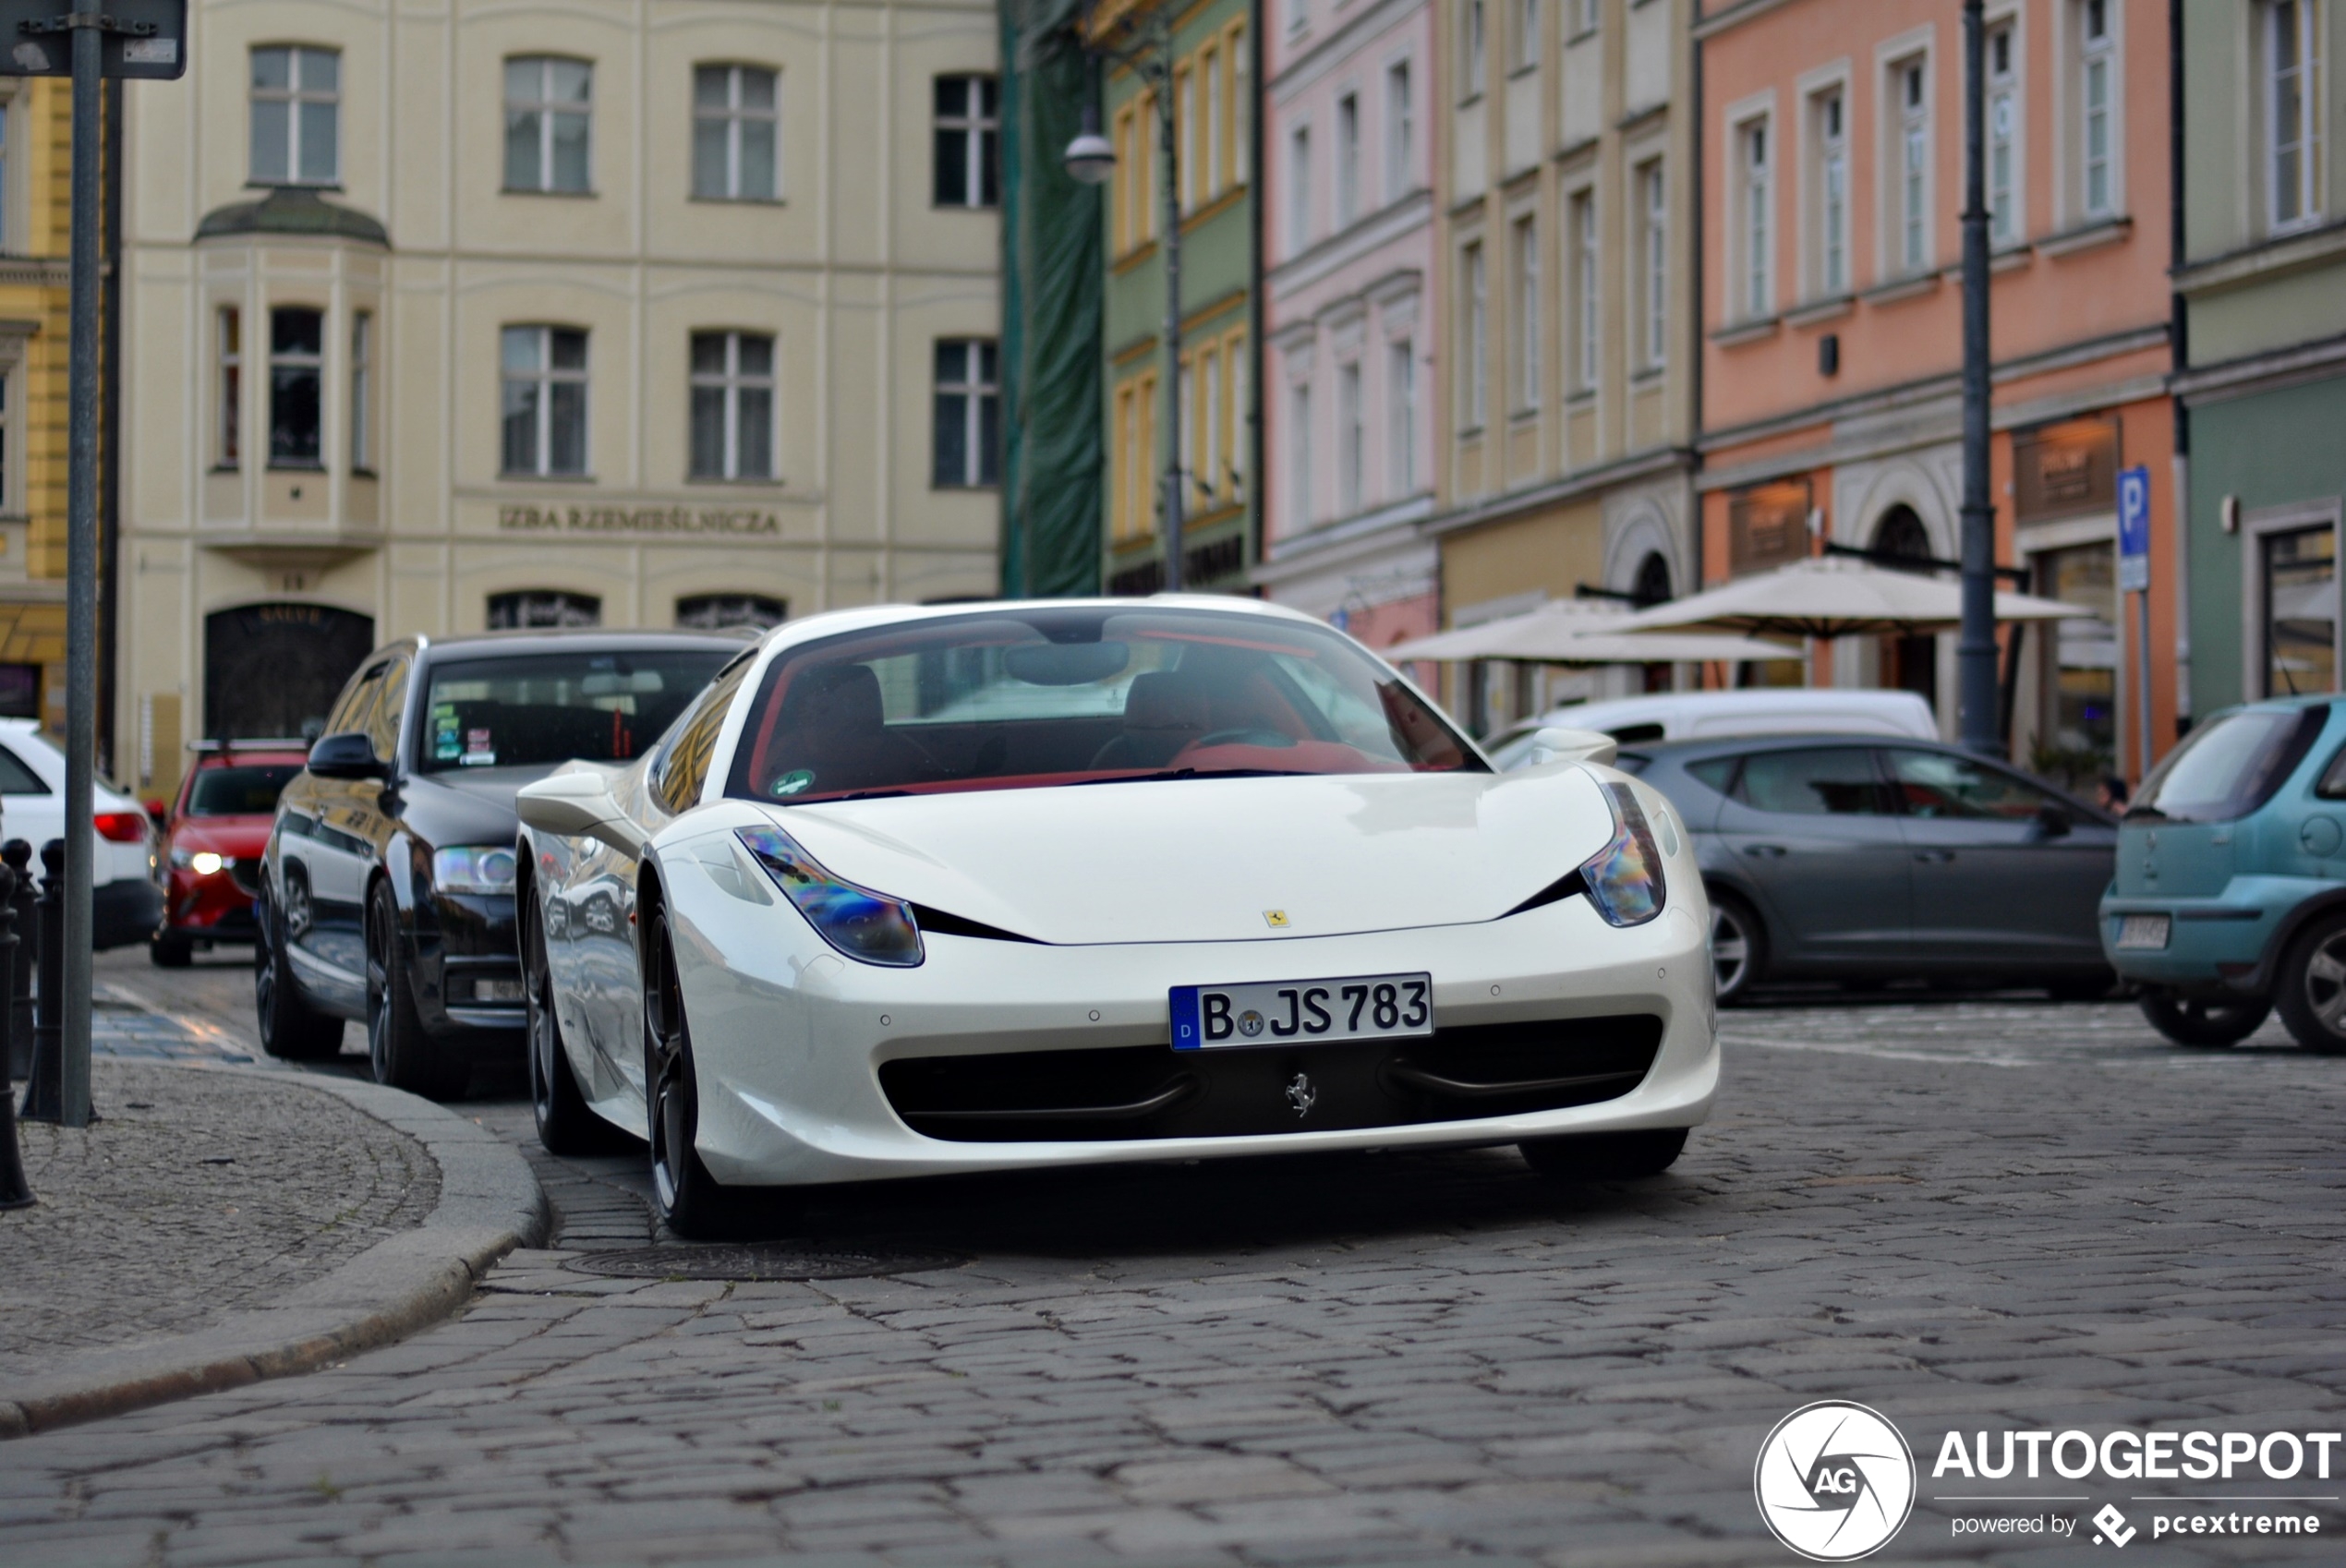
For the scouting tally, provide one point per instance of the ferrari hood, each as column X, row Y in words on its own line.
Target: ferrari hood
column 1218, row 860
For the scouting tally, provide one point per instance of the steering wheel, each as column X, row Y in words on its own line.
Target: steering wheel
column 1244, row 737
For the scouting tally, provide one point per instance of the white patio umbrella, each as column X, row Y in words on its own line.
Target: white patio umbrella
column 1836, row 597
column 1574, row 632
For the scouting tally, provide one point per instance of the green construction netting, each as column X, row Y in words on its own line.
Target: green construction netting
column 1053, row 277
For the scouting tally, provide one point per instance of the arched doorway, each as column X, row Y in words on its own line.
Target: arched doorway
column 1651, row 588
column 1908, row 664
column 273, row 670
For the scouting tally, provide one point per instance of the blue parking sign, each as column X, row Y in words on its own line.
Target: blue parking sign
column 2133, row 530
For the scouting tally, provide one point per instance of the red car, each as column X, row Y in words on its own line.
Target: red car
column 212, row 842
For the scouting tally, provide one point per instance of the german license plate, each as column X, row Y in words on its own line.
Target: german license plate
column 2138, row 932
column 1303, row 1012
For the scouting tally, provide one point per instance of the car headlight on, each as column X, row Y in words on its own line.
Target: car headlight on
column 203, row 862
column 870, row 927
column 473, row 868
column 1625, row 877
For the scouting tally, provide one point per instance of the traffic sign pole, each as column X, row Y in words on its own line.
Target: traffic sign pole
column 81, row 570
column 2133, row 577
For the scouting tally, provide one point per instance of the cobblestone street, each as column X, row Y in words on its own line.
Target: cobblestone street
column 1968, row 1215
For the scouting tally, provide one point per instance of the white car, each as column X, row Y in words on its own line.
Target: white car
column 125, row 903
column 969, row 888
column 1706, row 715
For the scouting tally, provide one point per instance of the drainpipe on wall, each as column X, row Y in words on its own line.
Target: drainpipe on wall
column 2179, row 350
column 1258, row 57
column 110, row 432
column 1693, row 312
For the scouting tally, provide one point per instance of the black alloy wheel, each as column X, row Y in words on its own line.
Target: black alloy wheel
column 401, row 1054
column 2312, row 992
column 1738, row 948
column 1605, row 1156
column 290, row 1030
column 169, row 950
column 689, row 1201
column 566, row 1124
column 2200, row 1020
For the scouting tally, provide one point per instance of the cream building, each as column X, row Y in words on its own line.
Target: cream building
column 479, row 315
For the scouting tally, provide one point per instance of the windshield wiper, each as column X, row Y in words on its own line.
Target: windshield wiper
column 1192, row 773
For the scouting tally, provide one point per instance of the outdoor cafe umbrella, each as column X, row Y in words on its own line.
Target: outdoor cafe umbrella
column 1573, row 632
column 1836, row 596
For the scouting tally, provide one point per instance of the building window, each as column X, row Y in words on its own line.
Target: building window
column 1347, row 159
column 1241, row 105
column 2003, row 134
column 968, row 414
column 548, row 105
column 1527, row 33
column 1298, row 193
column 1759, row 228
column 715, row 613
column 545, row 401
column 968, row 130
column 1475, row 393
column 297, row 367
column 1299, row 17
column 1234, row 416
column 1912, row 87
column 1350, row 438
column 1472, row 65
column 1401, row 418
column 1830, row 125
column 2301, row 611
column 1300, row 484
column 296, row 116
column 1657, row 265
column 228, row 329
column 2293, row 100
column 2097, row 65
column 737, row 130
column 543, row 607
column 7, row 229
column 1527, row 314
column 1189, row 165
column 362, row 391
column 1400, row 132
column 1586, row 301
column 732, row 378
column 1206, row 477
column 1133, row 510
column 1211, row 170
column 1584, row 18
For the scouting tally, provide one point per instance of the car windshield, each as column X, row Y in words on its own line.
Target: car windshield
column 2229, row 765
column 1081, row 696
column 248, row 789
column 597, row 705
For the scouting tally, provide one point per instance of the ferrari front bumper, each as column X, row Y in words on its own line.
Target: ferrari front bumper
column 789, row 1045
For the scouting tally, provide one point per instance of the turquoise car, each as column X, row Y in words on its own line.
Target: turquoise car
column 2230, row 894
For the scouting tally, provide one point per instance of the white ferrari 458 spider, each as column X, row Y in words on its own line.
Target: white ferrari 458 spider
column 979, row 887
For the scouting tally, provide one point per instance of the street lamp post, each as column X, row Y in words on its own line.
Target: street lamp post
column 1975, row 689
column 1090, row 159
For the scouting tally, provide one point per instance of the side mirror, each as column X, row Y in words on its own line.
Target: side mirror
column 348, row 755
column 1556, row 743
column 578, row 805
column 2054, row 822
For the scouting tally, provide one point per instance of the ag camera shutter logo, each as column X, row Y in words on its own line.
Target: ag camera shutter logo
column 1835, row 1482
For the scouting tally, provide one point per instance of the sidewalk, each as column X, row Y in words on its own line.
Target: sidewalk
column 223, row 1221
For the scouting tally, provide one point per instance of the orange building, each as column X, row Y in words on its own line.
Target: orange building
column 1832, row 297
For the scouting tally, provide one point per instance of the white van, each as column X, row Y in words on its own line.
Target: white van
column 1764, row 710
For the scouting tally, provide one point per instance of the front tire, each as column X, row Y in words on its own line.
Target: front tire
column 401, row 1054
column 566, row 1124
column 2311, row 991
column 290, row 1030
column 2195, row 1020
column 168, row 951
column 1738, row 948
column 1605, row 1156
column 689, row 1201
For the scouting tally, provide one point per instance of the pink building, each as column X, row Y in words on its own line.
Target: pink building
column 1349, row 315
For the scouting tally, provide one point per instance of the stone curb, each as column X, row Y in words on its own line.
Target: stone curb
column 489, row 1203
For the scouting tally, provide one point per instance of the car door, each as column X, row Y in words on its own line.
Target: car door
column 1998, row 880
column 1810, row 829
column 29, row 809
column 324, row 857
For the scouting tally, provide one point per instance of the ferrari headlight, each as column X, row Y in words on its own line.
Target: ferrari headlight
column 868, row 926
column 1625, row 877
column 473, row 868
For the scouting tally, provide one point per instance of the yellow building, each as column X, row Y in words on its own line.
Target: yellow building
column 35, row 179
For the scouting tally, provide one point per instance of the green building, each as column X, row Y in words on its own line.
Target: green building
column 2262, row 283
column 1213, row 70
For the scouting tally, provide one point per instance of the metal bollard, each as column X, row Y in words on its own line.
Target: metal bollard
column 16, row 855
column 15, row 1192
column 44, row 1097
